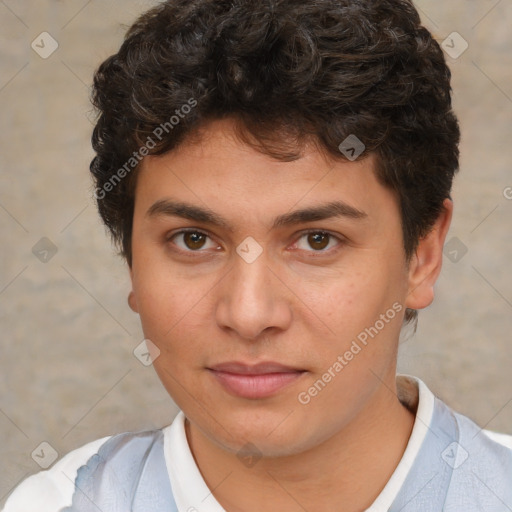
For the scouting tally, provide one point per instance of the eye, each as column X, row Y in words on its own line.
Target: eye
column 318, row 241
column 191, row 240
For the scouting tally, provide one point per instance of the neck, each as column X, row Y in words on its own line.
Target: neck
column 354, row 465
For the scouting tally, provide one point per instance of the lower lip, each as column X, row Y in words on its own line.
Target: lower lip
column 255, row 386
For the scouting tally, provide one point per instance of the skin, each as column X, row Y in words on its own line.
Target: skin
column 299, row 303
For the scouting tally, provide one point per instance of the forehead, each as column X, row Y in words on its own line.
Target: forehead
column 216, row 170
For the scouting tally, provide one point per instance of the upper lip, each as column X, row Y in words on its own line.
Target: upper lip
column 253, row 369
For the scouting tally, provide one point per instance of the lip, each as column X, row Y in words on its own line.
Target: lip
column 254, row 381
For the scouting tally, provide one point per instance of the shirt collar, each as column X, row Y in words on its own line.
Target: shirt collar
column 416, row 396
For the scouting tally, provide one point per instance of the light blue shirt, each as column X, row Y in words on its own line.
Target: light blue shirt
column 449, row 465
column 458, row 469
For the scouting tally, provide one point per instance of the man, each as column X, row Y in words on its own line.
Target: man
column 277, row 175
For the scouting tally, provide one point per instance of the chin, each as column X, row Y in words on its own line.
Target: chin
column 268, row 437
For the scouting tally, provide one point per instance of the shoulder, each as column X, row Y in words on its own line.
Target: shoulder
column 122, row 454
column 503, row 439
column 51, row 490
column 481, row 440
column 482, row 468
column 416, row 395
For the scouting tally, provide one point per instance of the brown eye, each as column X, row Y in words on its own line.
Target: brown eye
column 191, row 241
column 194, row 240
column 318, row 241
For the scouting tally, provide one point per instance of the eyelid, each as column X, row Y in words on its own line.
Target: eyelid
column 341, row 240
column 170, row 236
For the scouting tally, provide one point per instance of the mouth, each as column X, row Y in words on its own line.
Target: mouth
column 257, row 381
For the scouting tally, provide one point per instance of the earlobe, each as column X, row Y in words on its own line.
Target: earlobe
column 425, row 265
column 132, row 302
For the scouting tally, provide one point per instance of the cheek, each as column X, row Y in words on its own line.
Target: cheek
column 174, row 313
column 346, row 305
column 345, row 299
column 157, row 304
column 165, row 296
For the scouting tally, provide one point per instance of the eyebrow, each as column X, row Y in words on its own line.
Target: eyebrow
column 334, row 209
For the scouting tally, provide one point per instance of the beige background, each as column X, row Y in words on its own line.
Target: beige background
column 68, row 374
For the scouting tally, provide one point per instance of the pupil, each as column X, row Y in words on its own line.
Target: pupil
column 319, row 238
column 194, row 240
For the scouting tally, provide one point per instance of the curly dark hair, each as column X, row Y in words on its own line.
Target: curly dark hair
column 286, row 71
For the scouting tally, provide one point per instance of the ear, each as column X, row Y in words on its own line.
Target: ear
column 425, row 264
column 132, row 301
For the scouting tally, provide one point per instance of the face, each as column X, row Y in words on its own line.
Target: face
column 275, row 291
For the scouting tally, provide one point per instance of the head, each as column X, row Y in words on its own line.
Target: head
column 225, row 117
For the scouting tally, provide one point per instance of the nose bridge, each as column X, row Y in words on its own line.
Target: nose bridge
column 252, row 298
column 252, row 278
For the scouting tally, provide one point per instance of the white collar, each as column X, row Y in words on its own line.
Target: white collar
column 189, row 489
column 191, row 493
column 415, row 394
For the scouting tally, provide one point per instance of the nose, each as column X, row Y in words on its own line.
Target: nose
column 253, row 298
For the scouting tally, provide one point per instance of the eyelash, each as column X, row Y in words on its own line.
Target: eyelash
column 340, row 240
